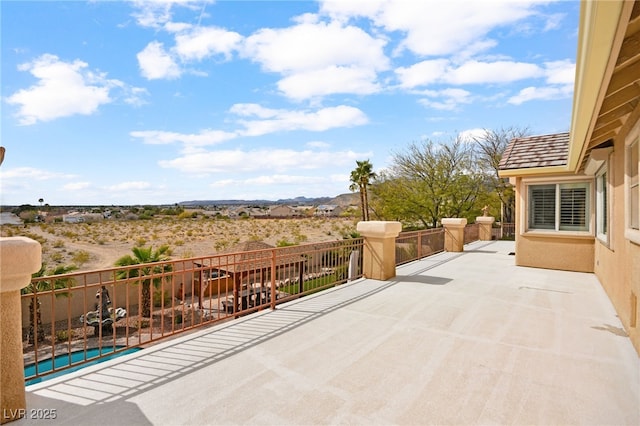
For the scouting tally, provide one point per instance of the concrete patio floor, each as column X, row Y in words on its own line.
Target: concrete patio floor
column 457, row 338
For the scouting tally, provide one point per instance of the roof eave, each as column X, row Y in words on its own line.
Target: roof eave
column 598, row 35
column 533, row 171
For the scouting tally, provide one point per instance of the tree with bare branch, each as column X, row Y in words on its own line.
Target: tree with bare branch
column 489, row 147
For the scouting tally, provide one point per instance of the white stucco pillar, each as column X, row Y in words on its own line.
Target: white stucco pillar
column 19, row 258
column 454, row 234
column 485, row 224
column 379, row 254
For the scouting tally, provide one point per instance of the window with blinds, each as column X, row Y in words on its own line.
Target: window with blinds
column 573, row 207
column 542, row 206
column 559, row 207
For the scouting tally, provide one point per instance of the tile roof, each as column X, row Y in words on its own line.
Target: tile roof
column 536, row 151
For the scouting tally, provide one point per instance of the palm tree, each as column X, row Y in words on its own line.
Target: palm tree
column 36, row 331
column 360, row 178
column 144, row 255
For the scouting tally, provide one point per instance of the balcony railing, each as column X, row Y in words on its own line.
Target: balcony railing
column 86, row 316
column 415, row 245
column 97, row 314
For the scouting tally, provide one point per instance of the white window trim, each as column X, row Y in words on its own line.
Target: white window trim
column 524, row 212
column 605, row 238
column 632, row 235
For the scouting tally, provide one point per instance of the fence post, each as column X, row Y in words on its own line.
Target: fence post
column 454, row 234
column 485, row 223
column 19, row 258
column 379, row 252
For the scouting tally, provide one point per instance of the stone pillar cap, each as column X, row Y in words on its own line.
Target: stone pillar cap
column 19, row 258
column 454, row 222
column 485, row 219
column 379, row 228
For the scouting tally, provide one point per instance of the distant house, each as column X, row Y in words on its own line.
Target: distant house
column 284, row 211
column 237, row 212
column 77, row 217
column 329, row 210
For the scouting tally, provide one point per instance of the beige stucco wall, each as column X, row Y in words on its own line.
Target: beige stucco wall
column 568, row 254
column 617, row 265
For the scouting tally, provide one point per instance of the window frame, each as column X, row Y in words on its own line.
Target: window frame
column 603, row 204
column 587, row 181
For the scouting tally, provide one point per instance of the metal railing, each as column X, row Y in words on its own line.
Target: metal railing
column 506, row 231
column 415, row 245
column 83, row 317
column 471, row 233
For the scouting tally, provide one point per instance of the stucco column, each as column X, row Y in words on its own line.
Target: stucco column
column 379, row 254
column 485, row 224
column 454, row 234
column 19, row 258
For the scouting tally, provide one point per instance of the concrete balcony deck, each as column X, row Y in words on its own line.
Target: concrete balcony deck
column 456, row 338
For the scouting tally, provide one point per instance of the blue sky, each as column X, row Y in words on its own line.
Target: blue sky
column 157, row 102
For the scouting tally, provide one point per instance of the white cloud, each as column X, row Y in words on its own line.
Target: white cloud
column 475, row 72
column 447, row 99
column 329, row 80
column 436, row 28
column 204, row 138
column 271, row 121
column 63, row 89
column 202, row 42
column 233, row 161
column 156, row 63
column 319, row 58
column 422, row 73
column 560, row 72
column 471, row 135
column 157, row 13
column 442, row 71
column 541, row 93
column 310, row 46
column 266, row 120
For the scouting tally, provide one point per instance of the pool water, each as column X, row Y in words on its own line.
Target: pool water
column 63, row 360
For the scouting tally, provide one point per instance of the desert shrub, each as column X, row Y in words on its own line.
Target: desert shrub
column 81, row 257
column 300, row 238
column 69, row 234
column 64, row 335
column 58, row 244
column 284, row 243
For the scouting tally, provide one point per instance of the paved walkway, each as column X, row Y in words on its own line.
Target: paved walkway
column 464, row 338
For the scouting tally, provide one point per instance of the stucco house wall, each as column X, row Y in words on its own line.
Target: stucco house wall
column 617, row 263
column 605, row 126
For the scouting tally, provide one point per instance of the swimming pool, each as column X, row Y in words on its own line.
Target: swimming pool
column 74, row 357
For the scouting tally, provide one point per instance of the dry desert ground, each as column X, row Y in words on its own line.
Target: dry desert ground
column 98, row 245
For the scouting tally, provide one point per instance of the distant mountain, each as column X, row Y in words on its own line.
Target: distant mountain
column 348, row 199
column 340, row 200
